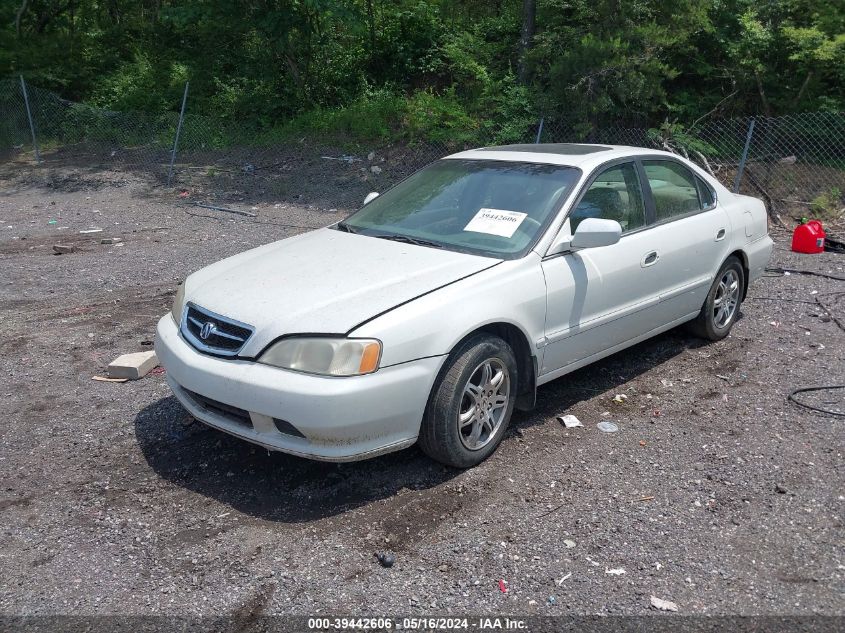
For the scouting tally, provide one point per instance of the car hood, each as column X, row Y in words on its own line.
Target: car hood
column 325, row 282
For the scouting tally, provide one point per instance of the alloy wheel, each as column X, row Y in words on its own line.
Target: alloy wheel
column 726, row 299
column 484, row 404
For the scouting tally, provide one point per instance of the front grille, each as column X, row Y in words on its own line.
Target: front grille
column 229, row 412
column 213, row 333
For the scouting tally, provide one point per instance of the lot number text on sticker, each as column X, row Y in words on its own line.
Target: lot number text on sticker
column 496, row 222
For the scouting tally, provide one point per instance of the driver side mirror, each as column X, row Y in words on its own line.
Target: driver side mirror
column 591, row 233
column 370, row 197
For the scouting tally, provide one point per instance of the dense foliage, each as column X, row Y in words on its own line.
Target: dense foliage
column 447, row 68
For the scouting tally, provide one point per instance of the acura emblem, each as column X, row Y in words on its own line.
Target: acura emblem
column 208, row 328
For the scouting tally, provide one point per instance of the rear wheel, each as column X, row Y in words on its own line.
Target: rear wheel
column 721, row 307
column 470, row 408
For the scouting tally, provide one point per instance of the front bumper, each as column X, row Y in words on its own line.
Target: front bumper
column 339, row 419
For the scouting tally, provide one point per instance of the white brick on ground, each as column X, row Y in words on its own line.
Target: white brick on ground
column 133, row 366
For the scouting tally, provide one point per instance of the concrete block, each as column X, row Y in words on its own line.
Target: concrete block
column 62, row 249
column 111, row 240
column 133, row 366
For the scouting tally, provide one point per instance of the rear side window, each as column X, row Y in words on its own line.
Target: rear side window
column 674, row 189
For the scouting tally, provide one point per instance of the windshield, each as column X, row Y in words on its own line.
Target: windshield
column 487, row 207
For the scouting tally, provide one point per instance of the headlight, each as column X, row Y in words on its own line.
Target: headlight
column 325, row 356
column 178, row 304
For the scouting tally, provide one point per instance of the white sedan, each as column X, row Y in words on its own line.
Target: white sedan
column 442, row 304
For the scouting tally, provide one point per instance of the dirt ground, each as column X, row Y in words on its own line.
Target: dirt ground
column 716, row 493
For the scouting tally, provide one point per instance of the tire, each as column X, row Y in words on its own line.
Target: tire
column 457, row 394
column 721, row 307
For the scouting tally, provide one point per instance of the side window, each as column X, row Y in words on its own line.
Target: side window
column 614, row 195
column 673, row 187
column 706, row 194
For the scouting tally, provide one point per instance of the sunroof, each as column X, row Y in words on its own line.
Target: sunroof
column 566, row 149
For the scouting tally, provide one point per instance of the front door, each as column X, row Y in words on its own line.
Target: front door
column 598, row 298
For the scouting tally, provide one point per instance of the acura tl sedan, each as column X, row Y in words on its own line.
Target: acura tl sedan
column 442, row 305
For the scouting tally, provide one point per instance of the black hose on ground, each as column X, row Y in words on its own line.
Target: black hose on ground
column 811, row 407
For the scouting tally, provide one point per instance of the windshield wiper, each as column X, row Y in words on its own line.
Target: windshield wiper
column 343, row 226
column 409, row 240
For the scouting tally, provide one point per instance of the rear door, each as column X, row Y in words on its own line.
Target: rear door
column 689, row 234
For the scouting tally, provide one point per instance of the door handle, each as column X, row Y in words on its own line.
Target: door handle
column 720, row 234
column 649, row 259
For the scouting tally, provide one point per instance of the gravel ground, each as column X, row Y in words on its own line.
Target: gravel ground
column 716, row 493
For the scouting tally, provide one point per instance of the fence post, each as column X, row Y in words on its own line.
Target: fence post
column 539, row 131
column 178, row 132
column 31, row 124
column 742, row 160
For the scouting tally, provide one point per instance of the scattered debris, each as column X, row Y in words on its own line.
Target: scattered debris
column 606, row 426
column 84, row 231
column 551, row 600
column 643, row 443
column 570, row 421
column 184, row 194
column 50, row 222
column 569, row 543
column 614, row 572
column 111, row 240
column 63, row 249
column 375, row 169
column 133, row 366
column 107, row 379
column 722, row 377
column 371, row 156
column 620, row 398
column 385, row 559
column 665, row 383
column 503, row 585
column 663, row 605
column 565, row 577
column 591, row 561
column 780, row 489
column 158, row 371
column 648, row 498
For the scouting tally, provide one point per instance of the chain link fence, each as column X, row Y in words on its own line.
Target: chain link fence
column 795, row 163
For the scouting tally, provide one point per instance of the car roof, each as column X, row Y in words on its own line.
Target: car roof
column 585, row 156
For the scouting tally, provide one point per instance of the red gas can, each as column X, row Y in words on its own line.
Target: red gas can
column 808, row 237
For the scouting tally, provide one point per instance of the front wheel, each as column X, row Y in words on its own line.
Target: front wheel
column 471, row 406
column 721, row 307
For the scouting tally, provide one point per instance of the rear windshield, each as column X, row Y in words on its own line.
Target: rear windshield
column 495, row 208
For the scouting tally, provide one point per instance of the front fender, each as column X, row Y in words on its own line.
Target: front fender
column 513, row 293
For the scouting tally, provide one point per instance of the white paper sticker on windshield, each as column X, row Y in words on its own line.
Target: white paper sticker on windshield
column 496, row 222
